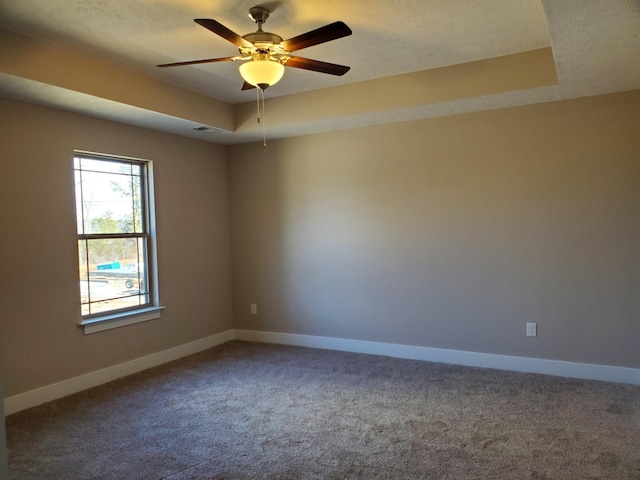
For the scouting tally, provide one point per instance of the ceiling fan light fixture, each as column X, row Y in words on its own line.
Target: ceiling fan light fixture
column 262, row 73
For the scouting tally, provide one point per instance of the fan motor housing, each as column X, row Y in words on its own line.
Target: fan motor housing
column 263, row 39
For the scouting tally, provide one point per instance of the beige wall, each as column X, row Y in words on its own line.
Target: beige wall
column 39, row 305
column 450, row 232
column 4, row 468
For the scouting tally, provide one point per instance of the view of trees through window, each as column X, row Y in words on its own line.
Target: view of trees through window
column 112, row 234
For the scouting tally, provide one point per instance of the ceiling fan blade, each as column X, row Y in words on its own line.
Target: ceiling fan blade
column 327, row 33
column 316, row 66
column 219, row 29
column 247, row 86
column 195, row 62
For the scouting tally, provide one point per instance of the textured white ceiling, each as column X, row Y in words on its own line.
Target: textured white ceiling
column 390, row 37
column 596, row 44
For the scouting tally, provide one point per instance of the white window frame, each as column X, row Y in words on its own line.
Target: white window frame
column 150, row 311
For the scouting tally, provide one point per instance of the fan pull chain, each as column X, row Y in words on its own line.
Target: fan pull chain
column 260, row 91
column 258, row 103
column 264, row 133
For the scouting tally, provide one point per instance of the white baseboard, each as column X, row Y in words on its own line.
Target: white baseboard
column 560, row 368
column 61, row 389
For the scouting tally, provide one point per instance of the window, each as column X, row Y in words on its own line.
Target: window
column 116, row 245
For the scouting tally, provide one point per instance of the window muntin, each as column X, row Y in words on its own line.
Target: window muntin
column 114, row 240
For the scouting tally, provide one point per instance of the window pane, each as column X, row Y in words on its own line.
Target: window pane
column 115, row 304
column 109, row 202
column 117, row 276
column 79, row 210
column 136, row 196
column 84, row 276
column 106, row 166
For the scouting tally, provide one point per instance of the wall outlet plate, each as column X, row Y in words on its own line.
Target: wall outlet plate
column 532, row 329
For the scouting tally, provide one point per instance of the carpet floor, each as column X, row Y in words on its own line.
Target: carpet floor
column 257, row 411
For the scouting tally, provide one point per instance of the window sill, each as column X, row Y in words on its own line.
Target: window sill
column 121, row 319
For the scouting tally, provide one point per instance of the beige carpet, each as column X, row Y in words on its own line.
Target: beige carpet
column 256, row 411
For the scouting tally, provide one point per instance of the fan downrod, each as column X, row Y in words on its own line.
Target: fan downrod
column 261, row 39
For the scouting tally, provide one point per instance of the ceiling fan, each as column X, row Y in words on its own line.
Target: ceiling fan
column 266, row 54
